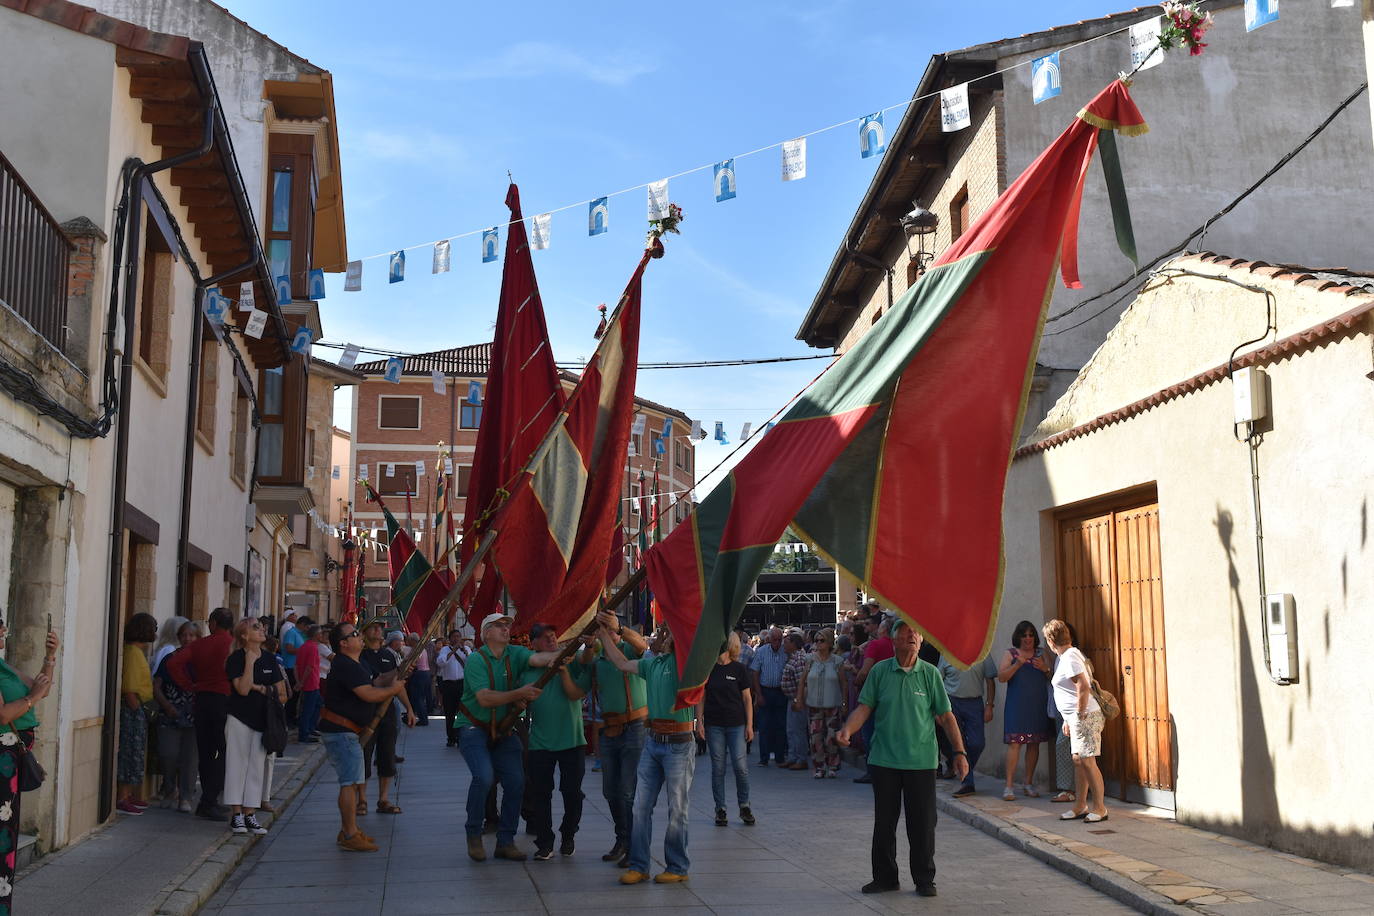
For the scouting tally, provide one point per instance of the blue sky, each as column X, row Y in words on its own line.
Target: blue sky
column 436, row 101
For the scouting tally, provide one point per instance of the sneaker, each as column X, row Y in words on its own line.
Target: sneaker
column 876, row 887
column 139, row 803
column 633, row 877
column 963, row 791
column 124, row 806
column 721, row 820
column 1008, row 794
column 615, row 855
column 763, row 763
column 510, row 852
column 864, row 780
column 926, row 890
column 185, row 807
column 624, row 861
column 358, row 842
column 831, row 773
column 476, row 851
column 251, row 822
column 567, row 847
column 819, row 774
column 237, row 824
column 669, row 877
column 543, row 855
column 746, row 815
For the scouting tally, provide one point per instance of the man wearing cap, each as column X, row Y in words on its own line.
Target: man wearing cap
column 669, row 757
column 491, row 688
column 624, row 711
column 906, row 697
column 769, row 701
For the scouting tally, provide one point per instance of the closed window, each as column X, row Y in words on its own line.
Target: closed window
column 238, row 459
column 292, row 190
column 155, row 304
column 470, row 415
column 958, row 214
column 464, row 478
column 208, row 390
column 398, row 412
column 401, row 483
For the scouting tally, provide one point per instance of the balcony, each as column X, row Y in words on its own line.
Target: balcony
column 33, row 258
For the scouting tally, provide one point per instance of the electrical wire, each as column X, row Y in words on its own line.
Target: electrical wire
column 690, row 364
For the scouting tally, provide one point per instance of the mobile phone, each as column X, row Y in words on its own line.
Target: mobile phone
column 49, row 621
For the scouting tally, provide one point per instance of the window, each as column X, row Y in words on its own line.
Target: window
column 155, row 305
column 637, row 440
column 634, row 498
column 271, row 412
column 199, row 596
column 238, row 445
column 378, row 552
column 208, row 390
column 398, row 412
column 958, row 214
column 469, row 415
column 677, row 454
column 140, row 577
column 464, row 477
column 400, row 483
column 281, row 436
column 878, row 314
column 310, row 447
column 291, row 191
column 654, row 439
column 300, row 530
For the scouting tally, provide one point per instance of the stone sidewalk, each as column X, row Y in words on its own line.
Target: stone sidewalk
column 162, row 862
column 1143, row 856
column 809, row 854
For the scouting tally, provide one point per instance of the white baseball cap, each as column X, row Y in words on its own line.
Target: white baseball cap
column 496, row 617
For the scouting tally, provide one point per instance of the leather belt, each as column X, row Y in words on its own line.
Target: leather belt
column 669, row 726
column 614, row 723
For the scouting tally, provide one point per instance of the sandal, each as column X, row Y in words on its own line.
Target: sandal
column 386, row 807
column 1030, row 791
column 1008, row 794
column 1065, row 796
column 362, row 808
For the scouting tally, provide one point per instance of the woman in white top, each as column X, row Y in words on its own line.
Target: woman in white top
column 822, row 694
column 1083, row 721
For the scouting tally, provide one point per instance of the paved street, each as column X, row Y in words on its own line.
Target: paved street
column 808, row 854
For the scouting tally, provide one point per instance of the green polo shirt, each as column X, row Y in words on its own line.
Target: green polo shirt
column 483, row 672
column 661, row 683
column 556, row 718
column 612, row 684
column 904, row 704
column 12, row 688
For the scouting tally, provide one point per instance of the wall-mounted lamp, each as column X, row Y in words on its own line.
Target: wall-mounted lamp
column 920, row 223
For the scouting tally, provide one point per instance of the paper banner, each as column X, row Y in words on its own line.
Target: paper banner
column 1144, row 41
column 954, row 110
column 872, row 137
column 419, row 469
column 301, row 342
column 491, row 238
column 1045, row 83
column 437, row 378
column 350, row 356
column 1260, row 12
column 396, row 267
column 667, row 427
column 1338, row 4
column 637, row 427
column 725, row 180
column 362, row 471
column 539, row 231
column 353, row 277
column 393, row 370
column 658, row 199
column 448, row 466
column 391, row 469
column 744, row 433
column 474, row 392
column 441, row 257
column 335, row 474
column 794, row 159
column 720, row 433
column 246, row 297
column 697, row 431
column 659, row 448
column 283, row 287
column 216, row 306
column 633, row 450
column 598, row 216
column 257, row 323
column 315, row 284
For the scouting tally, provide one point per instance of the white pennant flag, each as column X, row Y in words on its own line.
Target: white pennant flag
column 441, row 257
column 362, row 471
column 353, row 277
column 246, row 298
column 335, row 473
column 539, row 231
column 954, row 110
column 437, row 378
column 448, row 466
column 744, row 433
column 257, row 323
column 658, row 199
column 633, row 450
column 697, row 431
column 794, row 159
column 391, row 469
column 1144, row 40
column 637, row 429
column 419, row 469
column 309, row 472
column 350, row 356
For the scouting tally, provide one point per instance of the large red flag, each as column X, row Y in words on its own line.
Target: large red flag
column 523, row 397
column 893, row 463
column 558, row 528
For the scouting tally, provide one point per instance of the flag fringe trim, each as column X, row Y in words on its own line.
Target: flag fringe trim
column 1127, row 130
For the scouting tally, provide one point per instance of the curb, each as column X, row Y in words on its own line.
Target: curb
column 187, row 892
column 1093, row 875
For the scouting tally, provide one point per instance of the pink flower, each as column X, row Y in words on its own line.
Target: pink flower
column 1196, row 49
column 1197, row 33
column 1184, row 15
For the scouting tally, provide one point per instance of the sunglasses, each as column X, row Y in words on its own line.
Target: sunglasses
column 349, row 635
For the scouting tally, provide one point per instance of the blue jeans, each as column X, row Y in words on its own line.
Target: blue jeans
column 798, row 735
column 420, row 688
column 968, row 712
column 488, row 765
column 663, row 766
column 310, row 713
column 347, row 756
column 619, row 766
column 723, row 740
column 772, row 723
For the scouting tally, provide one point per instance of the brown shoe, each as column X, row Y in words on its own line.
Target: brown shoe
column 510, row 851
column 476, row 851
column 669, row 877
column 370, row 839
column 358, row 843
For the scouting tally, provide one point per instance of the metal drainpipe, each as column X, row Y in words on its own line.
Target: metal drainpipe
column 114, row 633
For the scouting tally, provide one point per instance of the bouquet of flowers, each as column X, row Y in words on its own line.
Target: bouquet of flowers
column 669, row 223
column 1185, row 27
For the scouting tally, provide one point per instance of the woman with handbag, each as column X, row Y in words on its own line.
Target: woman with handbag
column 136, row 692
column 1083, row 721
column 19, row 772
column 255, row 676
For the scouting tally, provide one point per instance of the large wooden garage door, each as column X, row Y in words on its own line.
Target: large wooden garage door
column 1110, row 590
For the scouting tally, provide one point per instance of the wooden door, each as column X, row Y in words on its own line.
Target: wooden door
column 1110, row 591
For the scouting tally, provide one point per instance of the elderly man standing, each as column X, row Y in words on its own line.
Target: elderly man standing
column 876, row 649
column 556, row 740
column 906, row 698
column 769, row 701
column 669, row 759
column 624, row 711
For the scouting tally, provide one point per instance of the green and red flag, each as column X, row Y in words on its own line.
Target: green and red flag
column 893, row 462
column 557, row 528
column 417, row 588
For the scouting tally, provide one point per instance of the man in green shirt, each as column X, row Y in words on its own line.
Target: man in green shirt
column 906, row 697
column 669, row 758
column 491, row 688
column 556, row 739
column 624, row 713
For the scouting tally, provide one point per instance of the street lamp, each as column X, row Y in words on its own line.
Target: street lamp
column 920, row 223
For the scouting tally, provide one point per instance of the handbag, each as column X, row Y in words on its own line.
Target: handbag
column 31, row 772
column 1106, row 702
column 274, row 732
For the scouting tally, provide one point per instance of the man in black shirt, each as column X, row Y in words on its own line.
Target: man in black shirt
column 350, row 701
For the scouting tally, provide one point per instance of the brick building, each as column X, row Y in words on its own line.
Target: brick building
column 397, row 428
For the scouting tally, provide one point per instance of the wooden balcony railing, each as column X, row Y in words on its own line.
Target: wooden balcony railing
column 33, row 258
